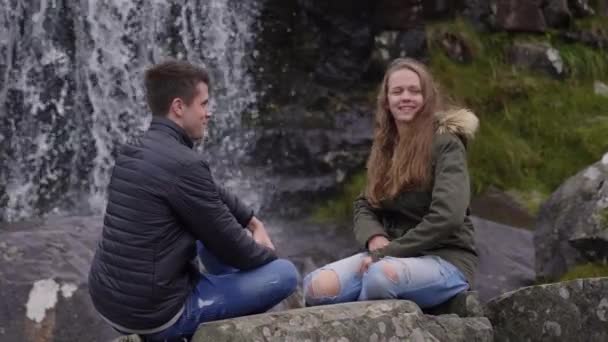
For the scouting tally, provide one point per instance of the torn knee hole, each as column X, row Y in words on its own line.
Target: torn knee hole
column 324, row 284
column 390, row 272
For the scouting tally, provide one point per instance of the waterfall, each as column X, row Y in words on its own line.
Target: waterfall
column 71, row 87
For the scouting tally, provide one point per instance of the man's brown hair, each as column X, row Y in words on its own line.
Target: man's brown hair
column 169, row 80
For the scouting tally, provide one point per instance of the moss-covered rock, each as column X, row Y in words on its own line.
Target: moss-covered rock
column 569, row 311
column 570, row 229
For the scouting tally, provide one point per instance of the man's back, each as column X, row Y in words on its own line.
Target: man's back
column 161, row 200
column 164, row 209
column 139, row 265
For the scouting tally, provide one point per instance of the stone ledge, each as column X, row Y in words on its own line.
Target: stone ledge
column 387, row 320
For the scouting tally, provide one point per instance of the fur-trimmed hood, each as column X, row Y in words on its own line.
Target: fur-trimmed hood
column 461, row 122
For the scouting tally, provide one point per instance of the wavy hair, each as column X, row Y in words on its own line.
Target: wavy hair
column 397, row 163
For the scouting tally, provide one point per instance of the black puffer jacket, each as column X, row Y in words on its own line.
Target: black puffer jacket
column 161, row 199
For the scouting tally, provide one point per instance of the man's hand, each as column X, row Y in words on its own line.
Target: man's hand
column 259, row 233
column 365, row 263
column 254, row 223
column 377, row 242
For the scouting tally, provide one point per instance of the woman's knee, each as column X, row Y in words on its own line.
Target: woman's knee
column 321, row 284
column 380, row 280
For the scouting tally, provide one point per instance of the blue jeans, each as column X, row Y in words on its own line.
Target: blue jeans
column 226, row 292
column 428, row 281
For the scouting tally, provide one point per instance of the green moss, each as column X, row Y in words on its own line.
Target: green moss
column 531, row 200
column 583, row 62
column 603, row 218
column 586, row 271
column 593, row 23
column 340, row 207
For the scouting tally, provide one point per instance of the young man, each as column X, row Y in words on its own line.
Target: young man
column 163, row 210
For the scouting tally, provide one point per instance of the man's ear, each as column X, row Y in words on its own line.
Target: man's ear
column 177, row 107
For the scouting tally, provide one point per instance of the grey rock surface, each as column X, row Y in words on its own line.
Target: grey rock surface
column 572, row 225
column 360, row 321
column 576, row 310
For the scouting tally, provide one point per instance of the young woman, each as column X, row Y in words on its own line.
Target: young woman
column 413, row 217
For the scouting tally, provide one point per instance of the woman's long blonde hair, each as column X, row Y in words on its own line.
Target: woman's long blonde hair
column 402, row 163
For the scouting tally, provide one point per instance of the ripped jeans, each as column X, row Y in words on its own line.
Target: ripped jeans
column 427, row 280
column 226, row 292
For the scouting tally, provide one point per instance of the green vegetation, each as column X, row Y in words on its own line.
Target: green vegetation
column 586, row 271
column 535, row 130
column 341, row 207
column 603, row 218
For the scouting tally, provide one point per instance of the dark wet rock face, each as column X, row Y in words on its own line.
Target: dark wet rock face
column 557, row 13
column 520, row 16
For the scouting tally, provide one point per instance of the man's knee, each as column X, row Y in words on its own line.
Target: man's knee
column 288, row 273
column 323, row 284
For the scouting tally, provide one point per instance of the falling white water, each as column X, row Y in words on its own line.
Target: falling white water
column 71, row 80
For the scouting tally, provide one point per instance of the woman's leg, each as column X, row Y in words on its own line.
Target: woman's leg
column 337, row 282
column 231, row 295
column 427, row 280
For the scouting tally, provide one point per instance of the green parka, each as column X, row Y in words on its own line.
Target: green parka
column 436, row 221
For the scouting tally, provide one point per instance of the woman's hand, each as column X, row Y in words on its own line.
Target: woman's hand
column 377, row 242
column 365, row 263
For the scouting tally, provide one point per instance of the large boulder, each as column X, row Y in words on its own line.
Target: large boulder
column 540, row 57
column 506, row 258
column 360, row 321
column 572, row 226
column 43, row 277
column 570, row 311
column 520, row 15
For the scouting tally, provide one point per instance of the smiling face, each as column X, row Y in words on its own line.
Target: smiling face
column 193, row 117
column 196, row 115
column 404, row 95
